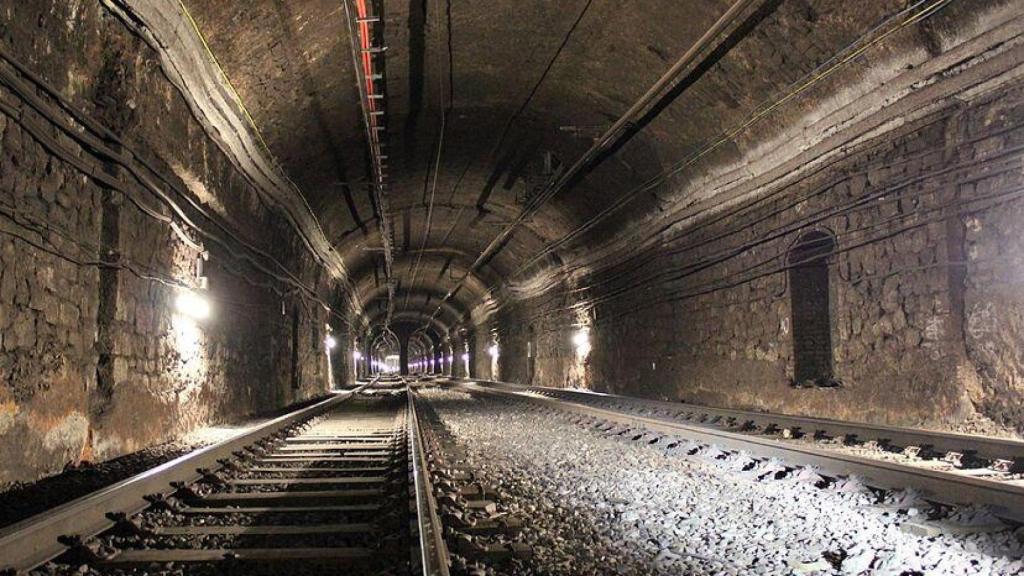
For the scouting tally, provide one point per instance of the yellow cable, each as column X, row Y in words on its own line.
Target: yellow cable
column 259, row 134
column 927, row 11
column 227, row 80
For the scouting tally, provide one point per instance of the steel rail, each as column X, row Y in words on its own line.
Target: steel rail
column 1004, row 499
column 35, row 540
column 981, row 446
column 434, row 552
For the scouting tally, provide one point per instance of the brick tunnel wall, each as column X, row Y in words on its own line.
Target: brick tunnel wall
column 94, row 363
column 926, row 297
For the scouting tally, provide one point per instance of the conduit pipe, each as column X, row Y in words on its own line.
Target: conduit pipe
column 612, row 136
column 372, row 103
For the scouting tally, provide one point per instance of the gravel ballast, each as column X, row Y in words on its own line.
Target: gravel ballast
column 595, row 504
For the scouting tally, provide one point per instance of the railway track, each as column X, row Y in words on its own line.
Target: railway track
column 340, row 485
column 360, row 483
column 949, row 470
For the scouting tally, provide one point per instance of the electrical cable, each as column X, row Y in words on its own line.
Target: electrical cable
column 1004, row 161
column 749, row 273
column 259, row 135
column 98, row 173
column 529, row 97
column 872, row 200
column 120, row 159
column 27, row 221
column 820, row 73
column 444, row 104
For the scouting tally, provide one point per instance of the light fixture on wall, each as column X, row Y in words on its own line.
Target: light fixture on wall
column 193, row 305
column 330, row 342
column 581, row 341
column 493, row 351
column 201, row 278
column 357, row 355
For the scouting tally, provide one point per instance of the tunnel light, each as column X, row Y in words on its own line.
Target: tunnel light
column 581, row 340
column 192, row 305
column 451, row 358
column 465, row 356
column 330, row 342
column 493, row 350
column 357, row 355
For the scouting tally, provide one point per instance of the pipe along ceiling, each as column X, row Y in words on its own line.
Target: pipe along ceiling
column 462, row 156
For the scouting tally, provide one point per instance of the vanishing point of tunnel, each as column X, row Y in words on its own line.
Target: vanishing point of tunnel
column 214, row 211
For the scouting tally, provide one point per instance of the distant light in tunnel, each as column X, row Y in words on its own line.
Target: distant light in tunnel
column 330, row 342
column 357, row 355
column 493, row 350
column 192, row 305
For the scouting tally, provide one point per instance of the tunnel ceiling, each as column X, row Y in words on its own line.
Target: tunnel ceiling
column 485, row 100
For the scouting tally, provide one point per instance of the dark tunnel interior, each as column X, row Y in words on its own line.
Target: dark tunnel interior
column 214, row 209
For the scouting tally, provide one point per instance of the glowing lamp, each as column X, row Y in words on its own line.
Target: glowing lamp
column 192, row 305
column 581, row 340
column 493, row 350
column 330, row 342
column 357, row 355
column 465, row 356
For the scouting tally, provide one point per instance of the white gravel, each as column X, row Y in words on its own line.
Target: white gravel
column 600, row 505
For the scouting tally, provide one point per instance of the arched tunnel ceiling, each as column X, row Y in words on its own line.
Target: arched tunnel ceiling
column 520, row 88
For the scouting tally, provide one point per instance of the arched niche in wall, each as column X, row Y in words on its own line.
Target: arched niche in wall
column 810, row 308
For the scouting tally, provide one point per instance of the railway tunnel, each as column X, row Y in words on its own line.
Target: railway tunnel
column 664, row 225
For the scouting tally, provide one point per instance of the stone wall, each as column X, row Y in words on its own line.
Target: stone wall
column 926, row 286
column 535, row 344
column 94, row 360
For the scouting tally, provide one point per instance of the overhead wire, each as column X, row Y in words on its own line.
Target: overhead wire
column 444, row 107
column 492, row 155
column 608, row 139
column 843, row 57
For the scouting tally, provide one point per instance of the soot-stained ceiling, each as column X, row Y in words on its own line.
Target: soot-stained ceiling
column 488, row 102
